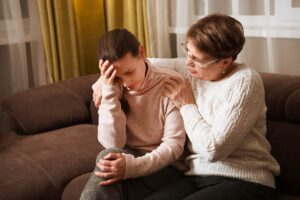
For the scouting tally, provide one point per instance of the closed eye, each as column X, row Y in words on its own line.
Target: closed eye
column 129, row 72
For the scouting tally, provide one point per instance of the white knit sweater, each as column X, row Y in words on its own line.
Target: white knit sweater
column 227, row 128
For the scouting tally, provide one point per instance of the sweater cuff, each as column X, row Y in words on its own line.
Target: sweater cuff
column 189, row 111
column 129, row 165
column 110, row 91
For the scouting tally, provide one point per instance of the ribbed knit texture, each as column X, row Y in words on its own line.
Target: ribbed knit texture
column 152, row 125
column 227, row 128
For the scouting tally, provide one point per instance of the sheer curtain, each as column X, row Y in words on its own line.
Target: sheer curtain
column 21, row 51
column 158, row 22
column 272, row 29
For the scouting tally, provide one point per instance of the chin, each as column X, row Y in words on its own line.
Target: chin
column 197, row 75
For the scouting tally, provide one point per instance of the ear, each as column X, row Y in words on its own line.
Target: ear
column 142, row 52
column 226, row 63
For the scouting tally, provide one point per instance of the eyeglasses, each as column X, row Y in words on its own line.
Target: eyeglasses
column 196, row 60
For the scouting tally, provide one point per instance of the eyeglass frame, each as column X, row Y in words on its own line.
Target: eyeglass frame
column 196, row 60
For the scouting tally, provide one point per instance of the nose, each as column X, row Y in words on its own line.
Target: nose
column 189, row 62
column 124, row 81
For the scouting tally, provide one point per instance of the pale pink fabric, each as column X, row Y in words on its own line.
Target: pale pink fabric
column 153, row 124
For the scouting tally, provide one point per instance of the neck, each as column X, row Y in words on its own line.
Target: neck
column 146, row 68
column 228, row 70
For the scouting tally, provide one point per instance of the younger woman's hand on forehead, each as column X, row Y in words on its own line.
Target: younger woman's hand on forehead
column 108, row 72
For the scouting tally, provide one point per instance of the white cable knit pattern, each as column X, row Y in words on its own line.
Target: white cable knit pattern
column 227, row 128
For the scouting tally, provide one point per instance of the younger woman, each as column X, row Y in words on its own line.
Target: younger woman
column 143, row 133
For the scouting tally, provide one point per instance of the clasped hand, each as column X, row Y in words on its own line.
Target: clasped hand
column 179, row 91
column 113, row 168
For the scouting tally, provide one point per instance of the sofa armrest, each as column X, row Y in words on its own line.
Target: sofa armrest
column 46, row 108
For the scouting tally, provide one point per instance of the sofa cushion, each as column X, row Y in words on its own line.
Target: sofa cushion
column 278, row 89
column 286, row 197
column 82, row 86
column 20, row 175
column 43, row 164
column 292, row 111
column 45, row 108
column 285, row 139
column 75, row 187
column 93, row 113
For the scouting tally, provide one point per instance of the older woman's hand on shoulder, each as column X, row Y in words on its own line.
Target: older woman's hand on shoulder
column 179, row 91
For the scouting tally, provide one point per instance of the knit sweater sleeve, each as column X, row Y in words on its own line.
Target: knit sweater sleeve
column 112, row 120
column 169, row 150
column 233, row 121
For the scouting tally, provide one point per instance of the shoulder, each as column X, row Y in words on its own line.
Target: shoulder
column 243, row 83
column 164, row 72
column 244, row 76
column 173, row 64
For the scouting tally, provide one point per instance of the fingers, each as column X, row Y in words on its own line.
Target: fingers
column 104, row 168
column 112, row 156
column 108, row 72
column 106, row 175
column 100, row 64
column 109, row 181
column 188, row 83
column 113, row 167
column 107, row 163
column 103, row 66
column 169, row 87
column 97, row 102
column 97, row 99
column 171, row 82
column 176, row 79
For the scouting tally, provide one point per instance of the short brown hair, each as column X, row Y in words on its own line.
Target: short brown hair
column 218, row 35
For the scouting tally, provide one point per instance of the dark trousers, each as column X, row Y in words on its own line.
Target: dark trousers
column 170, row 184
column 131, row 189
column 213, row 188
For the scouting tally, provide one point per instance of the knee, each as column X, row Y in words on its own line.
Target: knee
column 103, row 153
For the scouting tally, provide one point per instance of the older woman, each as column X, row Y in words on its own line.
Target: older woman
column 224, row 113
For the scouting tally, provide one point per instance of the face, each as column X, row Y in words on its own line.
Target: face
column 130, row 71
column 203, row 66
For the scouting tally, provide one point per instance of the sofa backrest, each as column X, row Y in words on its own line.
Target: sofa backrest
column 50, row 107
column 283, row 123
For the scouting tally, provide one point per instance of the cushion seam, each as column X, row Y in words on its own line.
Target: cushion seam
column 15, row 118
column 288, row 100
column 68, row 89
column 41, row 169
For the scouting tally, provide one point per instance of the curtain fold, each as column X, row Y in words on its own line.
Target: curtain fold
column 90, row 26
column 132, row 15
column 70, row 37
column 158, row 25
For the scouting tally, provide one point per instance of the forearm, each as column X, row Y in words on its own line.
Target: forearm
column 232, row 122
column 151, row 162
column 112, row 120
column 169, row 150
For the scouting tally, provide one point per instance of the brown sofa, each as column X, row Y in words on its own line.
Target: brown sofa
column 52, row 145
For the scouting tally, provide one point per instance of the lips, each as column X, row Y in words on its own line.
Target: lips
column 192, row 70
column 131, row 86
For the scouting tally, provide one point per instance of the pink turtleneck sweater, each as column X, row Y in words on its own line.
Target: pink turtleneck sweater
column 152, row 125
